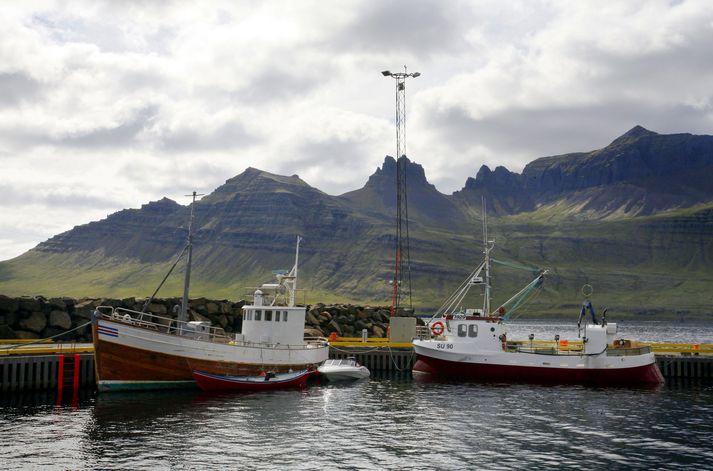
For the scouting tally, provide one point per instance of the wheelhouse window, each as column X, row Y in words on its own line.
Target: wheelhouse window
column 472, row 330
column 284, row 317
column 462, row 330
column 277, row 316
column 248, row 315
column 268, row 315
column 258, row 314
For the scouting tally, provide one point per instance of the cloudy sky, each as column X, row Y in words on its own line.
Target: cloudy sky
column 109, row 105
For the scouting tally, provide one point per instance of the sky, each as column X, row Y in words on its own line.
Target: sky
column 110, row 105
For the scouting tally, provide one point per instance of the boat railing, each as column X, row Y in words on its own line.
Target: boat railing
column 545, row 347
column 171, row 326
column 618, row 352
column 162, row 324
column 309, row 343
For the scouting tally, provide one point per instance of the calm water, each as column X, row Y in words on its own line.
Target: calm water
column 386, row 422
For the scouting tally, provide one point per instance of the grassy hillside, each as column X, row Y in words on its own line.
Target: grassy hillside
column 657, row 266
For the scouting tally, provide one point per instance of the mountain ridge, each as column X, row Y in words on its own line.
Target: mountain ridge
column 575, row 215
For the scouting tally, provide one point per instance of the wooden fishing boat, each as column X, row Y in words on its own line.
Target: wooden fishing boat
column 138, row 350
column 264, row 382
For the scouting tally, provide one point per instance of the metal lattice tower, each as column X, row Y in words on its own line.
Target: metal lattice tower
column 402, row 278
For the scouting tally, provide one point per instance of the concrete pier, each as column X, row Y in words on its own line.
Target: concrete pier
column 42, row 372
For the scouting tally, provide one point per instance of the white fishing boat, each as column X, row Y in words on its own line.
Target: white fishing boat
column 345, row 369
column 464, row 343
column 138, row 350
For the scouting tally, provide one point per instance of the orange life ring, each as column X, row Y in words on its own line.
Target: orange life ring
column 437, row 328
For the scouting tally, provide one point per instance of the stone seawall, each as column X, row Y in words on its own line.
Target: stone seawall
column 38, row 317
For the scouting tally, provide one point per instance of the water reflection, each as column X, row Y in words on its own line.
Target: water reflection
column 387, row 422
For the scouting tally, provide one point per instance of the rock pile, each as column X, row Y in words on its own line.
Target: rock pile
column 39, row 317
column 346, row 320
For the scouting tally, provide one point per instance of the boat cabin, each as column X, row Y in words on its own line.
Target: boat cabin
column 265, row 323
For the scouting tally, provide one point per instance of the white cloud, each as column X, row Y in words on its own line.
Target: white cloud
column 106, row 105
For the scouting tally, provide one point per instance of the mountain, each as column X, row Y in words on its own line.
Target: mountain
column 426, row 205
column 634, row 219
column 639, row 173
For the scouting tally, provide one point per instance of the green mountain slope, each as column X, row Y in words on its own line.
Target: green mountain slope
column 652, row 260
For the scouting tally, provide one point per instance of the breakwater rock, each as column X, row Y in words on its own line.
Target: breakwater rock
column 39, row 317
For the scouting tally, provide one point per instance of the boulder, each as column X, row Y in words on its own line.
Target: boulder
column 223, row 321
column 198, row 304
column 128, row 303
column 35, row 323
column 52, row 331
column 212, row 308
column 312, row 319
column 158, row 308
column 359, row 324
column 334, row 327
column 193, row 315
column 25, row 335
column 60, row 319
column 59, row 303
column 378, row 331
column 348, row 330
column 313, row 333
column 8, row 304
column 6, row 332
column 226, row 307
column 325, row 317
column 85, row 312
column 10, row 318
column 101, row 302
column 29, row 304
column 82, row 331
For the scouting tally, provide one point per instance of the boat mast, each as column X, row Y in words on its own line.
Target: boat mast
column 183, row 316
column 293, row 279
column 486, row 251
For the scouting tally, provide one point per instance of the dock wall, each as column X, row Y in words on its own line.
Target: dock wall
column 44, row 372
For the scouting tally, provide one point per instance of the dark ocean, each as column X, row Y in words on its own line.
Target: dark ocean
column 387, row 422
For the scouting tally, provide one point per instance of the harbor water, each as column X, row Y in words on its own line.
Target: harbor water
column 388, row 422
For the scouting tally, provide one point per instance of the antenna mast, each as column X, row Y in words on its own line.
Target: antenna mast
column 401, row 199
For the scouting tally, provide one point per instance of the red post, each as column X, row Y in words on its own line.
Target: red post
column 75, row 383
column 60, row 378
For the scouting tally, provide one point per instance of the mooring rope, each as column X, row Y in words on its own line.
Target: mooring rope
column 46, row 339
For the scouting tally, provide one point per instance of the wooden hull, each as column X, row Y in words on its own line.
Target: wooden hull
column 213, row 383
column 120, row 367
column 129, row 357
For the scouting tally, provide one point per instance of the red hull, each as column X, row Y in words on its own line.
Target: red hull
column 641, row 375
column 210, row 382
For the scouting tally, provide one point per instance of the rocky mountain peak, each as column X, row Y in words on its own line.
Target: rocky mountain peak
column 415, row 174
column 253, row 181
column 632, row 135
column 500, row 178
column 164, row 205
